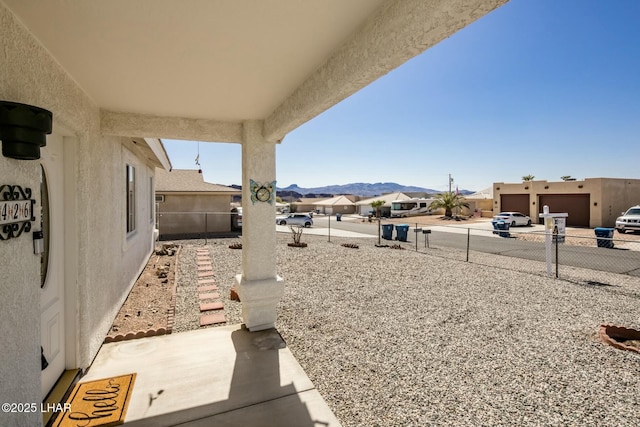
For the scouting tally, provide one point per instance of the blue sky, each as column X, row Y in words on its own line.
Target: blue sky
column 541, row 87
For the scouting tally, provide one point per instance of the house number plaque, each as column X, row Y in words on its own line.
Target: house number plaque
column 16, row 211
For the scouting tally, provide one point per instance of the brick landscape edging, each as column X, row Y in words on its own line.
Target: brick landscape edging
column 171, row 312
column 607, row 332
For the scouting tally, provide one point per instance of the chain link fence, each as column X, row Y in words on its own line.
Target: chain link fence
column 198, row 225
column 525, row 249
column 519, row 248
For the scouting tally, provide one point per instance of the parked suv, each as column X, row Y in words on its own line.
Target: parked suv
column 302, row 219
column 630, row 220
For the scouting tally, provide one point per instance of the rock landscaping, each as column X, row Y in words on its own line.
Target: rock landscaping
column 403, row 338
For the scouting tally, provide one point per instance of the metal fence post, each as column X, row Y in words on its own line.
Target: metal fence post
column 557, row 245
column 468, row 238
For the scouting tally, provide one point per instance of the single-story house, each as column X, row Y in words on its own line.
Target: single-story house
column 481, row 202
column 101, row 83
column 187, row 205
column 592, row 202
column 364, row 206
column 306, row 204
column 337, row 205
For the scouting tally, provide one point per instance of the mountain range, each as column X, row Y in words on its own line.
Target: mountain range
column 358, row 189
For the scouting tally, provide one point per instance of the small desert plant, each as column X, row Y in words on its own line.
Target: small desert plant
column 296, row 231
column 396, row 247
column 235, row 246
column 350, row 245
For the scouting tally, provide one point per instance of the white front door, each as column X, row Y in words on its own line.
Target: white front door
column 52, row 267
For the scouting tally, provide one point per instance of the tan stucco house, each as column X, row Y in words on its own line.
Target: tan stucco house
column 343, row 204
column 592, row 202
column 187, row 205
column 117, row 77
column 306, row 204
column 481, row 202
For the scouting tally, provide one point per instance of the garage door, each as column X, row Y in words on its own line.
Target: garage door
column 576, row 205
column 514, row 203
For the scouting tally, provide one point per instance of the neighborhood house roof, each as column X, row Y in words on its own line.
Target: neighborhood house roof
column 186, row 180
column 335, row 201
column 309, row 200
column 487, row 193
column 387, row 198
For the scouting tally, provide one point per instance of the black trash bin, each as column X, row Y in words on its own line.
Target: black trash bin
column 387, row 231
column 501, row 227
column 338, row 217
column 604, row 236
column 401, row 232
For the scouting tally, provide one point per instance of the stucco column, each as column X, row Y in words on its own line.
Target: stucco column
column 259, row 287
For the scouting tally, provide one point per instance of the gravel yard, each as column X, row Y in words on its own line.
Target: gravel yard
column 401, row 338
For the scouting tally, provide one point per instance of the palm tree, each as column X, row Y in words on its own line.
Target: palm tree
column 449, row 201
column 528, row 178
column 377, row 204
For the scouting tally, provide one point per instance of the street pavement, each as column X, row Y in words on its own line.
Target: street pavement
column 623, row 259
column 325, row 231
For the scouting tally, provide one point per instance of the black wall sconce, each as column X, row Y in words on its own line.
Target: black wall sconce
column 23, row 130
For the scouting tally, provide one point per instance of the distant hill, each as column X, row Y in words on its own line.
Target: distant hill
column 358, row 189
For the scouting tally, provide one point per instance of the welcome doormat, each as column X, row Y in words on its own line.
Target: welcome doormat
column 97, row 403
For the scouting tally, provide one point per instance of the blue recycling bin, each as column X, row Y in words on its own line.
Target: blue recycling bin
column 401, row 232
column 604, row 236
column 501, row 227
column 387, row 231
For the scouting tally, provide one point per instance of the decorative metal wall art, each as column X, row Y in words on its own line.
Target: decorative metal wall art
column 23, row 130
column 16, row 211
column 262, row 192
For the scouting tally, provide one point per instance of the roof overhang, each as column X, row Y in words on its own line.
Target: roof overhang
column 198, row 69
column 150, row 149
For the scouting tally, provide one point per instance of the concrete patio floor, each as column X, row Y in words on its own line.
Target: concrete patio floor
column 225, row 376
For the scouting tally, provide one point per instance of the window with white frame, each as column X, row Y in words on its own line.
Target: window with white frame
column 131, row 198
column 151, row 199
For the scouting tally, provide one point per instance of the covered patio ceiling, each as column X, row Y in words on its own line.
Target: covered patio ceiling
column 197, row 69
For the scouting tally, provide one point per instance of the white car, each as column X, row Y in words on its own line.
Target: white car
column 513, row 218
column 630, row 220
column 302, row 219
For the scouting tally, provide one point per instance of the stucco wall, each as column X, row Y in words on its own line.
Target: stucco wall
column 618, row 195
column 19, row 317
column 105, row 263
column 110, row 258
column 183, row 214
